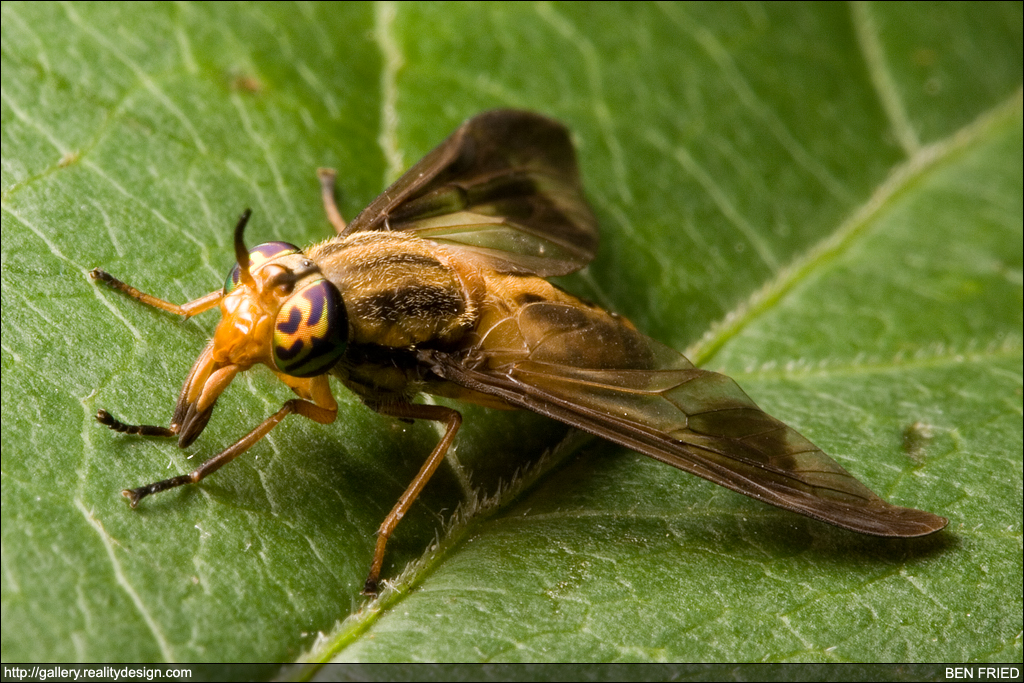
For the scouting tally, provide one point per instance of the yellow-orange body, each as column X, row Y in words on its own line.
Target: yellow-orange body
column 438, row 287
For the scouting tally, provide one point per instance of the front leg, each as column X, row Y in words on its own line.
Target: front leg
column 203, row 303
column 321, row 408
column 187, row 310
column 108, row 420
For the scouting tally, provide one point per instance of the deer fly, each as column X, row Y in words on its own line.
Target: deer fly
column 438, row 287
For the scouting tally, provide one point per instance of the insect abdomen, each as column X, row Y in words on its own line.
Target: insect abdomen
column 531, row 318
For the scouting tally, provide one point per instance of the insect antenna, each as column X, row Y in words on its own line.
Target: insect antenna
column 241, row 253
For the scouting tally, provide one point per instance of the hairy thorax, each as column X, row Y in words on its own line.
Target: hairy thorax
column 400, row 291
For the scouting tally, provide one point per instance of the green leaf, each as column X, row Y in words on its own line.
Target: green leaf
column 824, row 202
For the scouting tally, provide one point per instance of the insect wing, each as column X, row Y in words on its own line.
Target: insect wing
column 503, row 189
column 596, row 373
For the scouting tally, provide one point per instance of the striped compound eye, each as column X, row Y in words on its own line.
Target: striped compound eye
column 311, row 330
column 259, row 255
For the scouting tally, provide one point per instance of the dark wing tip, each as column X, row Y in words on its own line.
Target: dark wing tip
column 911, row 523
column 881, row 519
